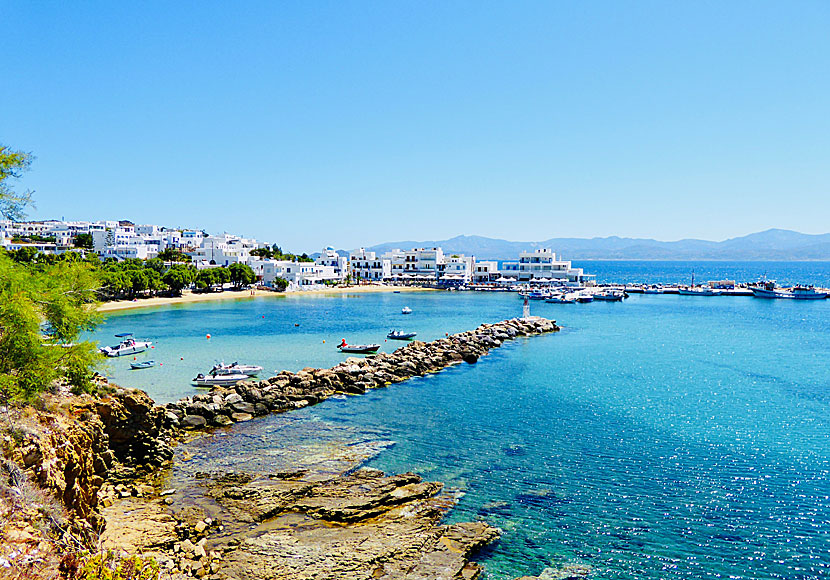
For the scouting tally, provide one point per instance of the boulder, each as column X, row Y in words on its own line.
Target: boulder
column 193, row 422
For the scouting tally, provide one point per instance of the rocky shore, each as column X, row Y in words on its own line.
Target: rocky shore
column 100, row 456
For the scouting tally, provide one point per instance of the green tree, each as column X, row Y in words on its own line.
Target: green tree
column 177, row 278
column 25, row 255
column 173, row 255
column 12, row 165
column 205, row 278
column 115, row 283
column 83, row 241
column 241, row 274
column 223, row 276
column 280, row 283
column 139, row 281
column 62, row 295
column 155, row 264
column 265, row 253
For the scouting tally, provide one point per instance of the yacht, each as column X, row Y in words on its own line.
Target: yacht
column 128, row 345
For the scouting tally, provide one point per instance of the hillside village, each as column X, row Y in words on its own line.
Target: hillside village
column 121, row 240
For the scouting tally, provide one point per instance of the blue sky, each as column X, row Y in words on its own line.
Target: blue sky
column 353, row 123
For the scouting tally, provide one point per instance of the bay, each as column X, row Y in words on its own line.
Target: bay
column 662, row 437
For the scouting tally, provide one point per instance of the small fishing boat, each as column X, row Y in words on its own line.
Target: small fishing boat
column 769, row 290
column 561, row 299
column 128, row 345
column 235, row 369
column 609, row 296
column 145, row 364
column 398, row 335
column 584, row 298
column 697, row 291
column 218, row 380
column 358, row 348
column 653, row 290
column 406, row 310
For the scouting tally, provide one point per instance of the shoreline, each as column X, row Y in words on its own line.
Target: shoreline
column 191, row 297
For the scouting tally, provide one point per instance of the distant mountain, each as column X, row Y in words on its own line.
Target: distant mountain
column 774, row 244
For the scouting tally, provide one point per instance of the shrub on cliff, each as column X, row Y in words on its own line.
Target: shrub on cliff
column 43, row 310
column 57, row 293
column 108, row 566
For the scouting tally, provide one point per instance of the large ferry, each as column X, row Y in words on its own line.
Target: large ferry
column 769, row 290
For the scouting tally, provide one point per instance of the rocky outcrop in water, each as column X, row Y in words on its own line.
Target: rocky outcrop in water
column 364, row 525
column 224, row 406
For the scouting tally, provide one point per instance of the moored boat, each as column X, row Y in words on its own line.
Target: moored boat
column 145, row 364
column 561, row 299
column 698, row 291
column 128, row 345
column 406, row 310
column 609, row 296
column 358, row 348
column 769, row 290
column 398, row 335
column 218, row 380
column 234, row 369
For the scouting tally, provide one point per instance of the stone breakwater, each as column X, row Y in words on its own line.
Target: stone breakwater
column 224, row 406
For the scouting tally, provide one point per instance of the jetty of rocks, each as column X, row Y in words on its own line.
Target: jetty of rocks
column 223, row 406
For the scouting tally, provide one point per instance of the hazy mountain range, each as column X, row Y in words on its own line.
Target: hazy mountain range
column 769, row 245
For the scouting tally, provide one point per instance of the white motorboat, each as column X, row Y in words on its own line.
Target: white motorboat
column 218, row 380
column 610, row 296
column 561, row 299
column 697, row 291
column 399, row 335
column 128, row 345
column 406, row 310
column 235, row 369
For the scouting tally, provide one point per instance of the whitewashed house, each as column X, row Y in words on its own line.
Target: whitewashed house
column 485, row 271
column 339, row 264
column 456, row 270
column 366, row 266
column 542, row 265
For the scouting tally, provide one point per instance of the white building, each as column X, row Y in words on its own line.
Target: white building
column 297, row 274
column 485, row 271
column 456, row 270
column 330, row 258
column 366, row 266
column 224, row 250
column 542, row 265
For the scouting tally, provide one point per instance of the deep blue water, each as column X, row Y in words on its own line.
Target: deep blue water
column 662, row 437
column 663, row 272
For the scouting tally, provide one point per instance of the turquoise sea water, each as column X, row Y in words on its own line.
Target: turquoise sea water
column 663, row 437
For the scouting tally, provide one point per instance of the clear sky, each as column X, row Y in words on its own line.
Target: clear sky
column 311, row 123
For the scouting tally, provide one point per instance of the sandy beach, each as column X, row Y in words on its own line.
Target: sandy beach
column 189, row 297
